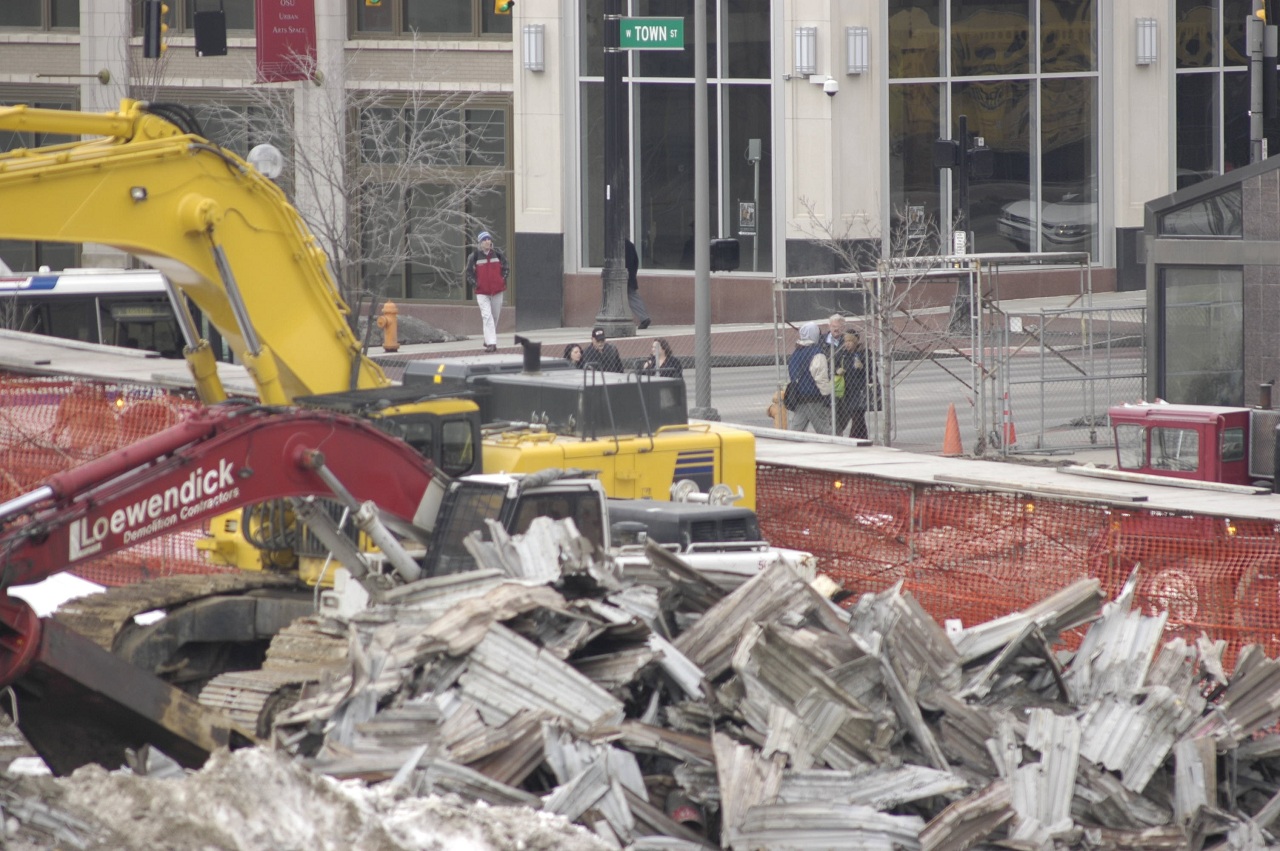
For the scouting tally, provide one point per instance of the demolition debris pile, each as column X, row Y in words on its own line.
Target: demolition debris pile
column 678, row 713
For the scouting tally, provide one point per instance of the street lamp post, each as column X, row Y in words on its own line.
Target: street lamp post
column 614, row 316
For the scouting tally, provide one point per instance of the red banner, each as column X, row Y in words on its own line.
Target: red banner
column 286, row 34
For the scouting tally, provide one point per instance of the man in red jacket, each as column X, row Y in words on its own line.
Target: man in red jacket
column 487, row 272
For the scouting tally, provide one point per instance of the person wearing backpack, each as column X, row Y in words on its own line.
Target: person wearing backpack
column 808, row 395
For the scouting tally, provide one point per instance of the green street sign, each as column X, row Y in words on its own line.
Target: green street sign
column 651, row 34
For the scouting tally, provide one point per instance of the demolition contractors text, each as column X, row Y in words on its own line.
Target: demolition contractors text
column 201, row 492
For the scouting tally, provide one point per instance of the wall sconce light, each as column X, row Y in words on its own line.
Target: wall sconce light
column 857, row 51
column 806, row 51
column 534, row 47
column 1145, row 29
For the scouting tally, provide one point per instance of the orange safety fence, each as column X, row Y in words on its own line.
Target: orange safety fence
column 48, row 425
column 974, row 556
column 963, row 554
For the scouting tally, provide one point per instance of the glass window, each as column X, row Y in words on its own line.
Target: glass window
column 486, row 137
column 664, row 161
column 1203, row 312
column 433, row 16
column 1233, row 444
column 1196, row 32
column 1131, row 446
column 990, row 38
column 747, row 114
column 458, row 449
column 239, row 13
column 675, row 63
column 1042, row 130
column 746, row 38
column 916, row 200
column 1069, row 166
column 660, row 100
column 182, row 15
column 915, row 31
column 1068, row 36
column 999, row 111
column 428, row 17
column 1175, row 449
column 430, row 178
column 591, row 46
column 21, row 13
column 1213, row 89
column 1218, row 215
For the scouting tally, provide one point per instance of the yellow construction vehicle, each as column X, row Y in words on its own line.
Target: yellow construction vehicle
column 228, row 240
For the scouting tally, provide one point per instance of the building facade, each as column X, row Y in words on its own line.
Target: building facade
column 823, row 119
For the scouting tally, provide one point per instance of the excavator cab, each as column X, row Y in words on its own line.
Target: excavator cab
column 444, row 430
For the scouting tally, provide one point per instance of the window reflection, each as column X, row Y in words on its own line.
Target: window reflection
column 998, row 111
column 916, row 34
column 990, row 38
column 1042, row 194
column 916, row 201
column 1068, row 35
column 664, row 156
column 1218, row 215
column 1204, row 315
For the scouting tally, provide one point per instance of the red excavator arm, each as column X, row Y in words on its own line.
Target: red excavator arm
column 223, row 458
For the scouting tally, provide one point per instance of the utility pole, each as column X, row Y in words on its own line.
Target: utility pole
column 615, row 315
column 1260, row 42
column 701, row 225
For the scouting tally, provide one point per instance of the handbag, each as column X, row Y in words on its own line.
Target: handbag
column 789, row 400
column 838, row 386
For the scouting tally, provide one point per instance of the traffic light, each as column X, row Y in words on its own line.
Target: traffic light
column 503, row 7
column 154, row 28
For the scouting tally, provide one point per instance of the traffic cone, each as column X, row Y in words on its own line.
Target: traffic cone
column 951, row 438
column 1010, row 432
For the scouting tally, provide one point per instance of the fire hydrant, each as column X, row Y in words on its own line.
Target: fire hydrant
column 389, row 322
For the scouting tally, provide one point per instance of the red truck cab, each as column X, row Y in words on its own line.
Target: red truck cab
column 1200, row 442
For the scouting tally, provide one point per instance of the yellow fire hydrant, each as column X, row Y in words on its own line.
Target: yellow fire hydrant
column 389, row 322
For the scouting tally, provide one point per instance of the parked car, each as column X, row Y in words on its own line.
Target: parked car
column 1068, row 224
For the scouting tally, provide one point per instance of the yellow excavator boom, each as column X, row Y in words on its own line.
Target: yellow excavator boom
column 195, row 211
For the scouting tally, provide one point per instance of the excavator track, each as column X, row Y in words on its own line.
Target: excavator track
column 101, row 617
column 303, row 653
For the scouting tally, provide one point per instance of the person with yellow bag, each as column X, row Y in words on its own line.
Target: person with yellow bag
column 852, row 367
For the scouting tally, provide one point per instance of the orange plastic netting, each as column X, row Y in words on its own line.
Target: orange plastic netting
column 52, row 424
column 975, row 556
column 965, row 555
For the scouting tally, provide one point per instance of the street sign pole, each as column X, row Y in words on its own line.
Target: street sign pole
column 615, row 315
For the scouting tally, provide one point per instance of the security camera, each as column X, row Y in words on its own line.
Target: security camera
column 831, row 87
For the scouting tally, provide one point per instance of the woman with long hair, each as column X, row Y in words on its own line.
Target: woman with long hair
column 662, row 361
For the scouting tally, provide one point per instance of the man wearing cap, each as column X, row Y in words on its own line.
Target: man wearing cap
column 487, row 272
column 600, row 354
column 808, row 395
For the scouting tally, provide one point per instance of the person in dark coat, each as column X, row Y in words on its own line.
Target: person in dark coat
column 852, row 363
column 573, row 354
column 600, row 354
column 662, row 361
column 638, row 310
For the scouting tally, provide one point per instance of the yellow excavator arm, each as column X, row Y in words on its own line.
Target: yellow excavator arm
column 224, row 235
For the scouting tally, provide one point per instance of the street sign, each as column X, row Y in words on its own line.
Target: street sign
column 651, row 34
